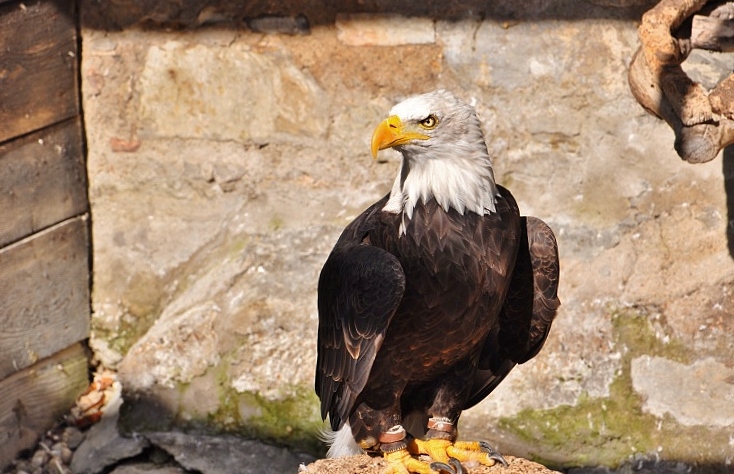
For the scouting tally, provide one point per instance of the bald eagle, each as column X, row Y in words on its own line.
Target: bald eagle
column 431, row 296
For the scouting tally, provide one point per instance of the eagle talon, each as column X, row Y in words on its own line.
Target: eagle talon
column 453, row 467
column 492, row 454
column 442, row 467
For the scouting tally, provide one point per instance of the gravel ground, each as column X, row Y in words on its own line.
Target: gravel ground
column 53, row 453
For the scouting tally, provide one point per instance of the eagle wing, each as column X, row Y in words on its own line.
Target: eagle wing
column 546, row 272
column 528, row 311
column 360, row 287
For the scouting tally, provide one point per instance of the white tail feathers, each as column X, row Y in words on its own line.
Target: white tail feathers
column 341, row 443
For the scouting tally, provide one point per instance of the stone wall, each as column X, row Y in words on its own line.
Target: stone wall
column 228, row 148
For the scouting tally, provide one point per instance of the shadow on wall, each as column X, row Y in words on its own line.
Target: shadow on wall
column 728, row 170
column 190, row 13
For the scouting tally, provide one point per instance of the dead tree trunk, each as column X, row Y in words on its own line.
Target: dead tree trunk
column 703, row 121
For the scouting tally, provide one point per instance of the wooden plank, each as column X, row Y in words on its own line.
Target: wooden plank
column 42, row 180
column 44, row 294
column 38, row 66
column 33, row 400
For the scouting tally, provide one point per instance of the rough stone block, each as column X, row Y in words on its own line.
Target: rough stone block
column 703, row 395
column 227, row 93
column 367, row 29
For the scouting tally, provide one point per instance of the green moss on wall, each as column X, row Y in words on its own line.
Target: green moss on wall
column 608, row 430
column 595, row 431
column 293, row 421
column 641, row 333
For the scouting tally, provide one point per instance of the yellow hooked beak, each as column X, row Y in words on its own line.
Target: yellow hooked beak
column 391, row 132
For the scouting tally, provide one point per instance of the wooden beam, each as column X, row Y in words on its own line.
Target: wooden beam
column 33, row 400
column 38, row 66
column 44, row 294
column 42, row 180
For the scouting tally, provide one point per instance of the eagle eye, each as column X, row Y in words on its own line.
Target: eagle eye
column 429, row 122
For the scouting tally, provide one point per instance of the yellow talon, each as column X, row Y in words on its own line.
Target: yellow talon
column 465, row 455
column 435, row 448
column 401, row 462
column 442, row 450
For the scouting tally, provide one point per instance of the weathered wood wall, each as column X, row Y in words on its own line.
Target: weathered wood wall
column 44, row 236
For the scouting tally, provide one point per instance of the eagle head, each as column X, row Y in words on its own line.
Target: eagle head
column 444, row 154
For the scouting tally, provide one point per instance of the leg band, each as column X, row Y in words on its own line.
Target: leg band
column 396, row 433
column 440, row 424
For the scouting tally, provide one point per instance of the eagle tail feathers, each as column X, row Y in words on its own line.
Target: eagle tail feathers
column 341, row 442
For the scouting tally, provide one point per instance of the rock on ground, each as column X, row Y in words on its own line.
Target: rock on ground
column 226, row 454
column 105, row 449
column 363, row 464
column 103, row 446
